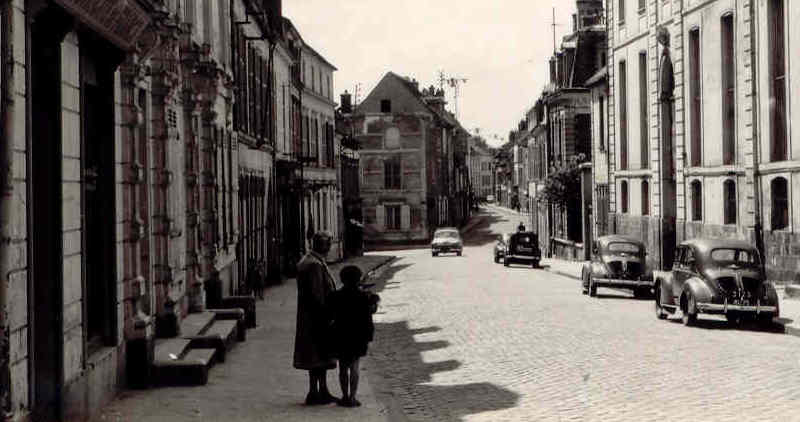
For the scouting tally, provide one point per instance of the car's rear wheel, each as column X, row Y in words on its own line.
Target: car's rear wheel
column 765, row 320
column 592, row 286
column 458, row 253
column 496, row 259
column 506, row 262
column 434, row 253
column 689, row 316
column 641, row 293
column 584, row 282
column 660, row 313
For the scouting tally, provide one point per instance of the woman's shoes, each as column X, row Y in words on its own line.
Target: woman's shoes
column 348, row 402
column 313, row 399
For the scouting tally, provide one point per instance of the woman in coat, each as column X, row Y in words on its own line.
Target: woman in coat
column 311, row 349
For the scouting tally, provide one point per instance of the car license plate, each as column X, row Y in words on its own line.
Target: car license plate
column 524, row 249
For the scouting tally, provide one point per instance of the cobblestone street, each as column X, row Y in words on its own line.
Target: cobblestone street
column 462, row 338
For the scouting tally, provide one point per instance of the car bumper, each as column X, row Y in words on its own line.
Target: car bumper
column 721, row 308
column 445, row 249
column 524, row 257
column 620, row 283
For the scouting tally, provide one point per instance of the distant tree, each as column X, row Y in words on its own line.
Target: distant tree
column 563, row 184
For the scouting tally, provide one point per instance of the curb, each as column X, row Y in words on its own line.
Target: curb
column 387, row 261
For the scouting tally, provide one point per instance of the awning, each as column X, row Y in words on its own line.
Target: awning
column 119, row 21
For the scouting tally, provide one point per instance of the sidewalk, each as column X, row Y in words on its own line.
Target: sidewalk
column 257, row 381
column 789, row 306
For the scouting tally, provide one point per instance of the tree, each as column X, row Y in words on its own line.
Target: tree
column 563, row 185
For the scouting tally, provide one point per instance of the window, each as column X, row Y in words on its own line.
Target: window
column 643, row 98
column 780, row 203
column 623, row 197
column 729, row 194
column 777, row 79
column 694, row 95
column 623, row 117
column 642, row 6
column 728, row 90
column 602, row 123
column 386, row 106
column 697, row 201
column 393, row 218
column 622, row 12
column 391, row 173
column 645, row 197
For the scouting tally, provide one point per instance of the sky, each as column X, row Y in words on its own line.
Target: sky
column 500, row 47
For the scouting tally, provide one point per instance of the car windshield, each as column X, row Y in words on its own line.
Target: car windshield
column 450, row 234
column 729, row 257
column 623, row 247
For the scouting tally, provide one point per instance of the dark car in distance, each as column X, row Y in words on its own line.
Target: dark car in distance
column 500, row 247
column 617, row 262
column 713, row 276
column 522, row 247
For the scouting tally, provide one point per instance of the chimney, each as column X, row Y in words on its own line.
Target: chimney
column 415, row 83
column 574, row 22
column 274, row 9
column 346, row 106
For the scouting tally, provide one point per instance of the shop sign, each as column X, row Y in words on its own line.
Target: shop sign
column 120, row 21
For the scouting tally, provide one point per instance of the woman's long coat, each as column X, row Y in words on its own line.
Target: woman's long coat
column 314, row 286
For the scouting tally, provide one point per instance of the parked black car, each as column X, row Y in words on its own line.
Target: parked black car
column 522, row 247
column 618, row 262
column 716, row 277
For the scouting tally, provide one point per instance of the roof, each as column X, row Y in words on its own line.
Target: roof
column 444, row 116
column 288, row 23
column 706, row 245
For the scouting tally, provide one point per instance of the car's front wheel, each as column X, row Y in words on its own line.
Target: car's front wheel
column 496, row 259
column 689, row 316
column 434, row 253
column 458, row 253
column 506, row 262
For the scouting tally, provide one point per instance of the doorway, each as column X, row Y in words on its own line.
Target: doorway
column 47, row 31
column 668, row 180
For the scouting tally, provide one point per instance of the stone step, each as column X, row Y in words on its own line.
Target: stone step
column 792, row 291
column 196, row 323
column 219, row 335
column 177, row 363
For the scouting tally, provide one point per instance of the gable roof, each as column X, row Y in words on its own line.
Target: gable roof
column 408, row 98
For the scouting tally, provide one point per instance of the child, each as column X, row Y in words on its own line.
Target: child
column 353, row 329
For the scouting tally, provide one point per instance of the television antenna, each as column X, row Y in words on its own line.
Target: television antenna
column 455, row 83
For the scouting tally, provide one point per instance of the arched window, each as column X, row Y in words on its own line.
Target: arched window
column 780, row 203
column 623, row 197
column 697, row 201
column 729, row 194
column 645, row 197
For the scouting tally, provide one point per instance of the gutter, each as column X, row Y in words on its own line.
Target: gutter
column 7, row 192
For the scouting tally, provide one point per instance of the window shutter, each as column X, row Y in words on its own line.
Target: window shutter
column 405, row 217
column 380, row 217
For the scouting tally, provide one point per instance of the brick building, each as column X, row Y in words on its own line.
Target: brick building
column 709, row 152
column 407, row 164
column 145, row 199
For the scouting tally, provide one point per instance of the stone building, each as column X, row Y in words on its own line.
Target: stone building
column 406, row 161
column 563, row 131
column 710, row 152
column 137, row 206
column 480, row 171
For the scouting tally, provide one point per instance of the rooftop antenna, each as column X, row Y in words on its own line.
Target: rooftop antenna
column 455, row 83
column 554, row 25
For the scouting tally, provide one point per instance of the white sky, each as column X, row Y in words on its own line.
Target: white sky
column 500, row 46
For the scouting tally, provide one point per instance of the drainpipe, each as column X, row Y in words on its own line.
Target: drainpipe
column 758, row 226
column 7, row 192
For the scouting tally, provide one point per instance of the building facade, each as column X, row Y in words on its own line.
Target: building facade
column 481, row 171
column 406, row 142
column 714, row 158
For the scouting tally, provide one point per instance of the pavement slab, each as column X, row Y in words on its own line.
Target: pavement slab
column 257, row 381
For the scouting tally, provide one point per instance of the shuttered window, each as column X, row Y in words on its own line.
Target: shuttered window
column 623, row 116
column 777, row 79
column 728, row 91
column 695, row 97
column 643, row 117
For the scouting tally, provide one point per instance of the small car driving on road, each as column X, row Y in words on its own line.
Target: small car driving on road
column 715, row 276
column 446, row 240
column 617, row 262
column 500, row 247
column 522, row 247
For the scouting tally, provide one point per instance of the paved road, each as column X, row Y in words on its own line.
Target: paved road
column 462, row 338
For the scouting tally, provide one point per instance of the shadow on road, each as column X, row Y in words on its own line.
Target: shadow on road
column 402, row 379
column 721, row 324
column 482, row 234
